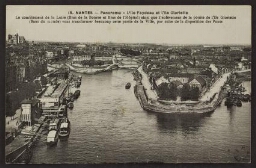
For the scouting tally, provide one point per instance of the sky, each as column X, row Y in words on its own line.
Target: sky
column 232, row 31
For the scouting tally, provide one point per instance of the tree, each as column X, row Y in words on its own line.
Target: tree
column 163, row 90
column 12, row 103
column 167, row 91
column 173, row 91
column 43, row 80
column 185, row 92
column 27, row 90
column 194, row 93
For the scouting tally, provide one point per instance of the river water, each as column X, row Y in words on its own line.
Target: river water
column 109, row 126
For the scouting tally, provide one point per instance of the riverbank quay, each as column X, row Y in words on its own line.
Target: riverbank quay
column 20, row 149
column 155, row 106
column 90, row 71
column 99, row 69
column 31, row 121
column 149, row 100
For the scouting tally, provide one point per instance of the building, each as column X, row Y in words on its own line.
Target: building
column 214, row 68
column 49, row 55
column 21, row 73
column 30, row 111
column 161, row 80
column 183, row 78
column 16, row 39
column 80, row 58
column 52, row 98
column 81, row 46
column 198, row 82
column 191, row 70
column 22, row 39
column 173, row 56
column 61, row 73
column 13, row 39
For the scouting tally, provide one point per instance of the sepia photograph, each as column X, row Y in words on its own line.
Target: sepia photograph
column 97, row 84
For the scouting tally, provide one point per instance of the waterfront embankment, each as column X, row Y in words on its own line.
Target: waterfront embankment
column 207, row 103
column 92, row 71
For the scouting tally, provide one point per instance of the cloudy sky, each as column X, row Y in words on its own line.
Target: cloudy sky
column 236, row 31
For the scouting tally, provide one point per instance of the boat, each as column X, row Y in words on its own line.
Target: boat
column 64, row 129
column 77, row 84
column 52, row 138
column 54, row 124
column 128, row 85
column 66, row 100
column 62, row 111
column 70, row 105
column 77, row 94
column 72, row 99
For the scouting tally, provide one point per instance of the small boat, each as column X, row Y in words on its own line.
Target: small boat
column 62, row 111
column 128, row 85
column 66, row 100
column 54, row 124
column 77, row 94
column 77, row 84
column 52, row 138
column 64, row 129
column 70, row 105
column 72, row 99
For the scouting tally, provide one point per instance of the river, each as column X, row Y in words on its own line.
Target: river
column 109, row 126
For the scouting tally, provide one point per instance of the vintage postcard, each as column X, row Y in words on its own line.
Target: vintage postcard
column 128, row 84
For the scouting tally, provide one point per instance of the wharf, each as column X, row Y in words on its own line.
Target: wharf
column 20, row 149
column 155, row 106
column 149, row 100
column 18, row 142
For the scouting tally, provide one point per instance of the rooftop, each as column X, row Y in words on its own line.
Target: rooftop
column 184, row 75
column 200, row 79
column 48, row 91
column 64, row 125
column 27, row 101
column 54, row 92
column 52, row 133
column 59, row 90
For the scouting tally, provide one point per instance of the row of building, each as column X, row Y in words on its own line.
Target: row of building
column 196, row 71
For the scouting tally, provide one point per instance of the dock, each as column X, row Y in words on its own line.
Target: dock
column 24, row 137
column 154, row 106
column 151, row 103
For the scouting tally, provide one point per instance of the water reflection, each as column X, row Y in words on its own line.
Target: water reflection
column 187, row 123
column 231, row 112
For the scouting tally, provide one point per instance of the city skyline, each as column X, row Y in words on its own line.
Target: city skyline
column 231, row 32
